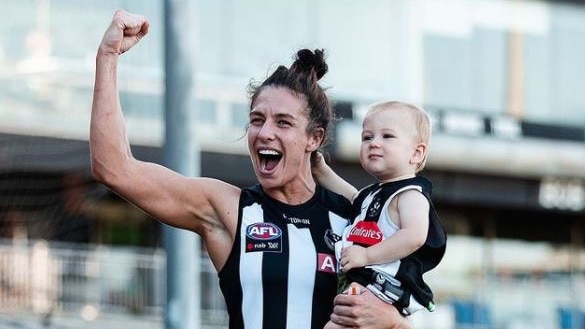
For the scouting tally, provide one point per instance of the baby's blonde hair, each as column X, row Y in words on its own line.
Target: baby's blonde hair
column 421, row 120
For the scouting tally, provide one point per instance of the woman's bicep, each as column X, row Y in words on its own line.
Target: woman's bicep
column 174, row 199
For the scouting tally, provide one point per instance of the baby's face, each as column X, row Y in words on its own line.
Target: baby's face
column 389, row 143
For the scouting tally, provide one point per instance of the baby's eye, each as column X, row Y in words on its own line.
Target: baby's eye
column 366, row 138
column 387, row 136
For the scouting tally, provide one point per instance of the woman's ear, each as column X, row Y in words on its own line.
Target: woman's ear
column 315, row 139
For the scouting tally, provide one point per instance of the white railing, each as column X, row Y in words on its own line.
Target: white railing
column 91, row 281
column 96, row 283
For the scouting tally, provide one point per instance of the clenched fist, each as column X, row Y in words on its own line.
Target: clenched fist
column 124, row 32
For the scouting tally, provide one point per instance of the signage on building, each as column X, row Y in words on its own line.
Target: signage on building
column 562, row 193
column 478, row 124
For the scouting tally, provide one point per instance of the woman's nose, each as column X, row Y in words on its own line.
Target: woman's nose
column 266, row 131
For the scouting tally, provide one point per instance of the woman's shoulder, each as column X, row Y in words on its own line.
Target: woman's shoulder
column 336, row 203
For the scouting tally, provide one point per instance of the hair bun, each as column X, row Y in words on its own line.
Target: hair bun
column 307, row 61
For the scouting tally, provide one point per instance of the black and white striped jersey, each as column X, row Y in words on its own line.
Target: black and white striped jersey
column 281, row 272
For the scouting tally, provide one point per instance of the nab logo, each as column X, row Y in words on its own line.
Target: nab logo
column 263, row 231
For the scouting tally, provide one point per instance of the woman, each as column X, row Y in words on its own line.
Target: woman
column 266, row 242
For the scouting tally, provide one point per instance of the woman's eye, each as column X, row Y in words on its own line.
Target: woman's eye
column 283, row 123
column 255, row 121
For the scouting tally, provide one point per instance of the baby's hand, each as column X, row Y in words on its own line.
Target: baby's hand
column 318, row 164
column 352, row 257
column 317, row 160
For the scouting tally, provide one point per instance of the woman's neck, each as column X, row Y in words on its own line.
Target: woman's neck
column 293, row 193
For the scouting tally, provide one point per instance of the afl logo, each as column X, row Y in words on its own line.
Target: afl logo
column 263, row 231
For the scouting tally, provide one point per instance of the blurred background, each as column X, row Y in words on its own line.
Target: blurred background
column 502, row 80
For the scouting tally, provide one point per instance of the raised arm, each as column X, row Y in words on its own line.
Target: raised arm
column 188, row 203
column 329, row 179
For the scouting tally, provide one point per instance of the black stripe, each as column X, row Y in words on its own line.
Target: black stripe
column 275, row 267
column 325, row 283
column 229, row 275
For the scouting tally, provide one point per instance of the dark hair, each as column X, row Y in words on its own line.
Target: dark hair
column 302, row 79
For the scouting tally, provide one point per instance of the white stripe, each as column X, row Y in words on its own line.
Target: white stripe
column 339, row 226
column 301, row 277
column 251, row 271
column 385, row 222
column 338, row 223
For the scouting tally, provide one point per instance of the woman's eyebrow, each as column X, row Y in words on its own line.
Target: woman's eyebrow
column 285, row 116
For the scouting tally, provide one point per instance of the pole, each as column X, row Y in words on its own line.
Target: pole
column 182, row 310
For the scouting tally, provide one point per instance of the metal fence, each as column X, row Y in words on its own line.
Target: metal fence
column 102, row 285
column 42, row 278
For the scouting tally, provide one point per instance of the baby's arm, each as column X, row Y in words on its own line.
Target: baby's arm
column 327, row 178
column 413, row 215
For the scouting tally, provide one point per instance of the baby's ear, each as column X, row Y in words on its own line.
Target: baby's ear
column 419, row 154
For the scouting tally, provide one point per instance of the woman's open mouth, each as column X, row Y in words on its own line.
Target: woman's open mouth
column 269, row 159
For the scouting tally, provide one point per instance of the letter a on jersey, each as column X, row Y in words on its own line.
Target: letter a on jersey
column 326, row 263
